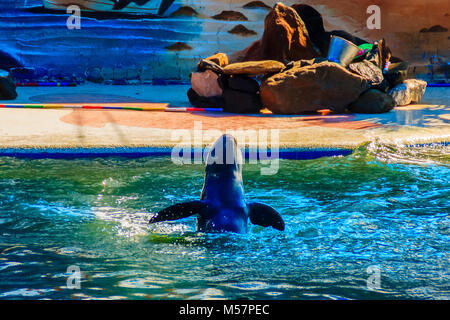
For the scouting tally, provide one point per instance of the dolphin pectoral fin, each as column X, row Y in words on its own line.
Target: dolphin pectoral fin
column 264, row 215
column 179, row 211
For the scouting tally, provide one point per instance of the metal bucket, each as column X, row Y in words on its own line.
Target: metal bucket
column 342, row 51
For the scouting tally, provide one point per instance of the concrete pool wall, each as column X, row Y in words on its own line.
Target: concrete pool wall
column 22, row 129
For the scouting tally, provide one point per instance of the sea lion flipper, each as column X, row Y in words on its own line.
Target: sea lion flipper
column 179, row 211
column 264, row 215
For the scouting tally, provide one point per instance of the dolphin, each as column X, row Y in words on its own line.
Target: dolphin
column 222, row 207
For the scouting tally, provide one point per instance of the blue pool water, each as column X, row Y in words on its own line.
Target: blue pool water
column 381, row 208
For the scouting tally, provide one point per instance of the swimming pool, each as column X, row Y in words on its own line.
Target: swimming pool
column 380, row 208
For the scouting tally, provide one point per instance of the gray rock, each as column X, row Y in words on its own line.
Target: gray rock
column 304, row 63
column 240, row 83
column 397, row 73
column 203, row 102
column 7, row 86
column 205, row 84
column 410, row 91
column 240, row 94
column 241, row 102
column 368, row 71
column 204, row 65
column 372, row 101
column 325, row 85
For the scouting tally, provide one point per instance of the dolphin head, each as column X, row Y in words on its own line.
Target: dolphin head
column 224, row 157
column 223, row 174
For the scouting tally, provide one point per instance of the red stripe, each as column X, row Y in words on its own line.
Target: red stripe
column 29, row 84
column 92, row 107
column 2, row 105
column 195, row 109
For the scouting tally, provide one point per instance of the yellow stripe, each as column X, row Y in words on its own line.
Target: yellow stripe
column 53, row 106
column 154, row 108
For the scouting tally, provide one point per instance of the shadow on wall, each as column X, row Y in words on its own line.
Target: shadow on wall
column 146, row 49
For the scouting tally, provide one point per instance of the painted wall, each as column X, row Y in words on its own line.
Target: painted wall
column 136, row 49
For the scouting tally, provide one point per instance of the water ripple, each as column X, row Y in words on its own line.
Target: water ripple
column 342, row 216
